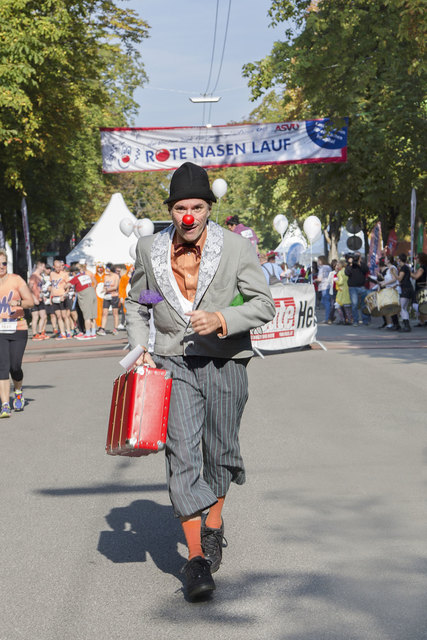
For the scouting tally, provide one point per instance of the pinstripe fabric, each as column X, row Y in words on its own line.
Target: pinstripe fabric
column 207, row 402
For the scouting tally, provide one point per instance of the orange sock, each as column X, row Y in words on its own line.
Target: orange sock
column 192, row 535
column 214, row 519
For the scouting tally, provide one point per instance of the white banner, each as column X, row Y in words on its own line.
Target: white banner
column 295, row 323
column 138, row 149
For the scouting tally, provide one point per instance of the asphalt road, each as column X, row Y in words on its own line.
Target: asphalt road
column 326, row 541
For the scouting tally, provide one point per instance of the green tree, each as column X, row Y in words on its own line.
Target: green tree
column 67, row 67
column 144, row 192
column 364, row 60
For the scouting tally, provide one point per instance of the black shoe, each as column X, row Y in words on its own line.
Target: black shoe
column 213, row 542
column 198, row 579
column 406, row 326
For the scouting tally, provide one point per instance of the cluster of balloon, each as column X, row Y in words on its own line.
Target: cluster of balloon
column 312, row 228
column 280, row 223
column 354, row 242
column 143, row 227
column 219, row 187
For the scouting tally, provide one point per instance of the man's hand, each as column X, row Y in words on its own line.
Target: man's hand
column 145, row 358
column 204, row 322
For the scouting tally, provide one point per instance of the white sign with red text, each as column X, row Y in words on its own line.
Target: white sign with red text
column 294, row 324
column 155, row 149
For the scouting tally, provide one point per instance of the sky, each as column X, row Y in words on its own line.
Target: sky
column 177, row 59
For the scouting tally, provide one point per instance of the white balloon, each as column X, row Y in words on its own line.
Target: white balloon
column 126, row 226
column 145, row 227
column 136, row 229
column 280, row 223
column 312, row 228
column 132, row 251
column 283, row 225
column 219, row 187
column 317, row 236
column 279, row 216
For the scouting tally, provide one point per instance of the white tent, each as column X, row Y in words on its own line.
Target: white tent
column 105, row 242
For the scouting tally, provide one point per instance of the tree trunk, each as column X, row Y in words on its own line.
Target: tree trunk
column 333, row 236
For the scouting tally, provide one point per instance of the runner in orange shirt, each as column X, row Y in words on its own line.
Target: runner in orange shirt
column 124, row 273
column 99, row 278
column 15, row 296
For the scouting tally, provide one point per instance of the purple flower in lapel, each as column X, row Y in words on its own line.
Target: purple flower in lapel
column 149, row 297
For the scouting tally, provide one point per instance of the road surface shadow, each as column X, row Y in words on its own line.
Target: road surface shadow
column 39, row 386
column 144, row 527
column 101, row 489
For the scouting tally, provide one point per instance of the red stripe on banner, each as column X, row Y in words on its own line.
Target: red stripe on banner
column 273, row 335
column 278, row 301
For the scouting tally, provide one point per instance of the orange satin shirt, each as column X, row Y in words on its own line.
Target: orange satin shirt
column 185, row 268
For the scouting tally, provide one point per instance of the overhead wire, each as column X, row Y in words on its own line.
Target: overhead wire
column 222, row 56
column 213, row 48
column 207, row 92
column 223, row 47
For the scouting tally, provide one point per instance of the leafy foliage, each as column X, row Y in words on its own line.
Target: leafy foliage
column 358, row 59
column 67, row 67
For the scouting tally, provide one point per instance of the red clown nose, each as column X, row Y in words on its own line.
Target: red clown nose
column 188, row 219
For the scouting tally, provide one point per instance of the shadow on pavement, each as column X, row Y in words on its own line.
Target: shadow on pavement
column 309, row 606
column 101, row 489
column 39, row 386
column 144, row 527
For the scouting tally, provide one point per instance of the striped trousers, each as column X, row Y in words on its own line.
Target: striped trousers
column 207, row 402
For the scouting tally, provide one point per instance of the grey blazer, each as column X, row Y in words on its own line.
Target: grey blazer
column 228, row 266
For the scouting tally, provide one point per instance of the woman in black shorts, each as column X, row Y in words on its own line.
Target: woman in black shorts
column 15, row 296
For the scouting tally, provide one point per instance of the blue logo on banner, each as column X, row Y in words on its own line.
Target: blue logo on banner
column 294, row 252
column 326, row 138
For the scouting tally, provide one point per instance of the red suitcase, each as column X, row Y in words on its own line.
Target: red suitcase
column 139, row 412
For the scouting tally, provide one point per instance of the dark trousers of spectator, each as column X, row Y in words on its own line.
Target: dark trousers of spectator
column 344, row 314
column 332, row 311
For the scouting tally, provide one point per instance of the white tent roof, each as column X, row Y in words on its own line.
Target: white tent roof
column 105, row 242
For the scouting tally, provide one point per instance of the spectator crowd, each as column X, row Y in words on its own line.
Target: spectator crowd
column 76, row 302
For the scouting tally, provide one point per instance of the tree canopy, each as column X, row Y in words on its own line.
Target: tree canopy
column 67, row 67
column 360, row 59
